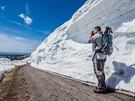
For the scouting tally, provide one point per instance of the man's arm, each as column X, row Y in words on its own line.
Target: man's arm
column 91, row 39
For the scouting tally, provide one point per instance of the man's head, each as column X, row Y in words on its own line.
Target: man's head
column 96, row 29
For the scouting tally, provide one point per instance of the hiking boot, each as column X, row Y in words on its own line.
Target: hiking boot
column 100, row 90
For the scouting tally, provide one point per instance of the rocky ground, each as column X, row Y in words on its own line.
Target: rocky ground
column 26, row 83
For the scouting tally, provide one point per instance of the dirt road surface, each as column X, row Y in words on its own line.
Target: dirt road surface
column 27, row 83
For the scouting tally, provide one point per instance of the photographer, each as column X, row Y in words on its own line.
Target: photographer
column 98, row 58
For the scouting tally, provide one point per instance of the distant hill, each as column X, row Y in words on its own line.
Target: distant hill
column 7, row 54
column 14, row 56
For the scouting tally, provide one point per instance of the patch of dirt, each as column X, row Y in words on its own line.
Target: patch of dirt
column 13, row 87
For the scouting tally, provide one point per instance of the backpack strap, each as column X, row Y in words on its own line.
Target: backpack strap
column 103, row 43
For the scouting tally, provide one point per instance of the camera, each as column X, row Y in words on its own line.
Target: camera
column 92, row 33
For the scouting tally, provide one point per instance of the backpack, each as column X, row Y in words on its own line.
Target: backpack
column 107, row 47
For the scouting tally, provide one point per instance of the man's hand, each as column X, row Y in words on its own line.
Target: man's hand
column 90, row 37
column 91, row 34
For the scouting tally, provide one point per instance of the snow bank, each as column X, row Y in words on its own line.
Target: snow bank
column 66, row 50
column 7, row 64
column 127, row 27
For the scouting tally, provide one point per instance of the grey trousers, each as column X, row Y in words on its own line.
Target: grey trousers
column 98, row 65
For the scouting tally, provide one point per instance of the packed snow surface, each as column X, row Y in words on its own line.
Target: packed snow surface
column 66, row 50
column 6, row 65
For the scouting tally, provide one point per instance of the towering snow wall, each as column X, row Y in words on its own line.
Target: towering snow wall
column 66, row 50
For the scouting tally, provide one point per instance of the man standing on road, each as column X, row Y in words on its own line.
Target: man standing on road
column 98, row 59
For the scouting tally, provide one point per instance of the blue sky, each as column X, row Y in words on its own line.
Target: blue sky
column 25, row 24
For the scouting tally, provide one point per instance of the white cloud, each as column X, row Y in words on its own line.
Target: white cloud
column 26, row 19
column 17, row 44
column 45, row 32
column 3, row 7
column 19, row 38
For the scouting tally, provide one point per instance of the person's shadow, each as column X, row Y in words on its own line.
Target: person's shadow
column 122, row 72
